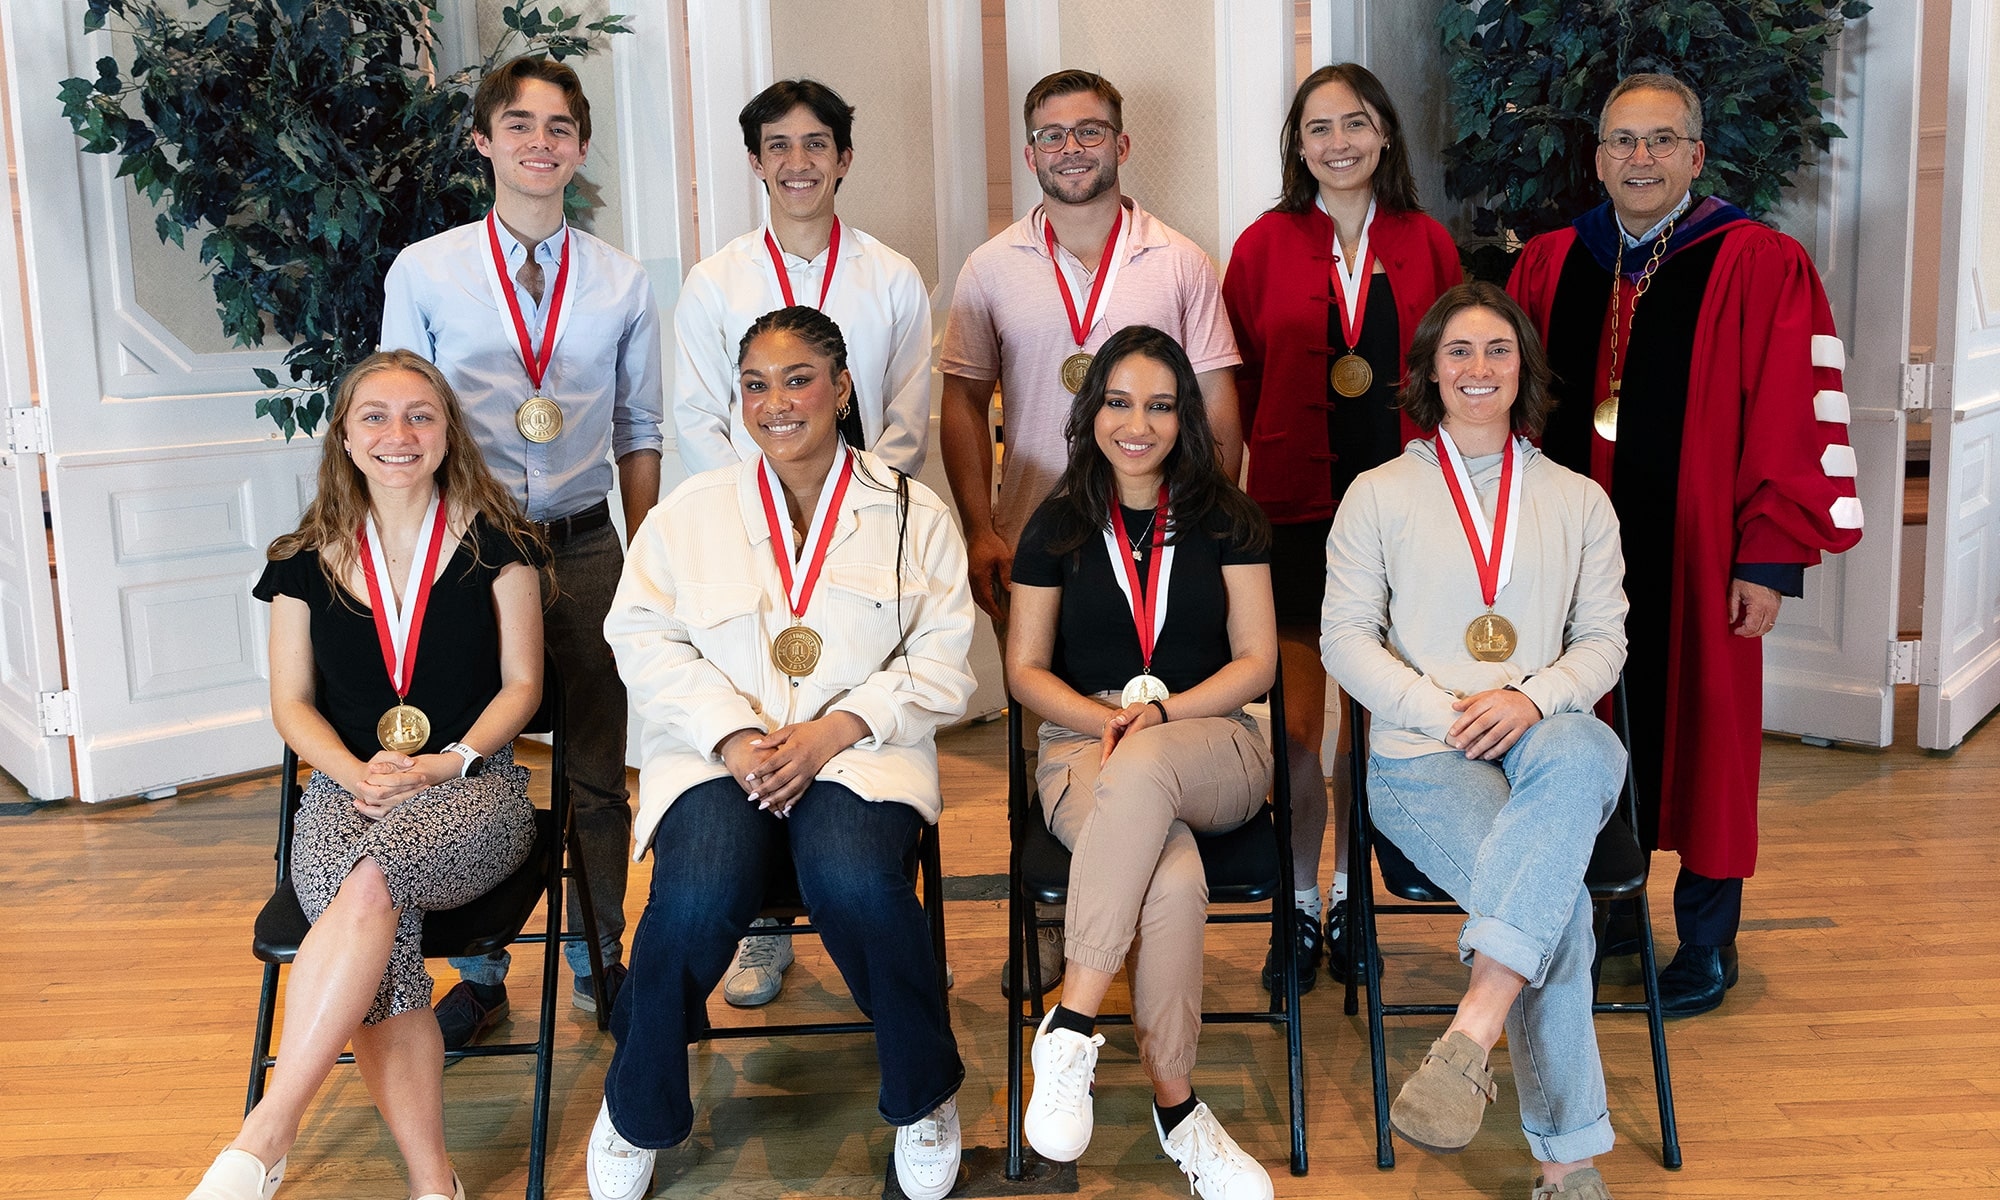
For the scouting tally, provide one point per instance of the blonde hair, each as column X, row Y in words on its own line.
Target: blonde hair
column 341, row 504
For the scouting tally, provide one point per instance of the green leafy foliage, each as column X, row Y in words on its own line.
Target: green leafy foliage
column 306, row 142
column 1527, row 78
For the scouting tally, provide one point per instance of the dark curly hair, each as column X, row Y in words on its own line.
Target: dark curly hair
column 1420, row 397
column 1196, row 484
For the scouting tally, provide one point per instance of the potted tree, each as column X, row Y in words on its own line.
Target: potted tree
column 1526, row 78
column 307, row 142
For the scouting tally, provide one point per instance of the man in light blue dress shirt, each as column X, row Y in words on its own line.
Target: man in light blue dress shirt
column 552, row 340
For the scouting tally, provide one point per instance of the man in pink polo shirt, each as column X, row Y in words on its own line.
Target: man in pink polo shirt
column 1016, row 321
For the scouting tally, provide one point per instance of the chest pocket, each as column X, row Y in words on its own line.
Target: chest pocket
column 860, row 611
column 719, row 616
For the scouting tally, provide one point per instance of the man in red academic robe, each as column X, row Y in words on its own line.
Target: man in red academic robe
column 1699, row 379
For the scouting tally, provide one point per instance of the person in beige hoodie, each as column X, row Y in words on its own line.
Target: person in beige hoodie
column 1474, row 606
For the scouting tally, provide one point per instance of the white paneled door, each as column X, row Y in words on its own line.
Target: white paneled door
column 1827, row 665
column 1960, row 661
column 163, row 489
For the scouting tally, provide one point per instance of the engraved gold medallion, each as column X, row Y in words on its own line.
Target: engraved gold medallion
column 1074, row 368
column 539, row 419
column 1605, row 418
column 1491, row 638
column 796, row 651
column 404, row 729
column 1351, row 375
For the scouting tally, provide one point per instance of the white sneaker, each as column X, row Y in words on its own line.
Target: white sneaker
column 1060, row 1113
column 758, row 974
column 618, row 1169
column 238, row 1175
column 1216, row 1167
column 927, row 1154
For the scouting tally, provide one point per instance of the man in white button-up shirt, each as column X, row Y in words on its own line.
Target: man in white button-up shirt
column 799, row 136
column 552, row 340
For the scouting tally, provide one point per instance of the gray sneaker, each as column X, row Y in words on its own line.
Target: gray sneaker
column 758, row 974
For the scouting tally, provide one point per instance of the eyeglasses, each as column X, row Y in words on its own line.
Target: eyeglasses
column 1051, row 139
column 1658, row 145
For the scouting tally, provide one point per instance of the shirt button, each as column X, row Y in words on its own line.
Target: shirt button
column 706, row 614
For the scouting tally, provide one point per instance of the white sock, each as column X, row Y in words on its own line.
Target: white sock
column 1339, row 886
column 1308, row 901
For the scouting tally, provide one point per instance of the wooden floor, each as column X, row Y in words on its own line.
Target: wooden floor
column 1860, row 1053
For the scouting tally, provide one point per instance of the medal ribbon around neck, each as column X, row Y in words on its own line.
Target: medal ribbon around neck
column 398, row 627
column 785, row 277
column 537, row 364
column 819, row 535
column 1149, row 608
column 1107, row 266
column 1350, row 287
column 1492, row 551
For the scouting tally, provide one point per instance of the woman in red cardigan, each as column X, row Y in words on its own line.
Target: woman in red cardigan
column 1324, row 291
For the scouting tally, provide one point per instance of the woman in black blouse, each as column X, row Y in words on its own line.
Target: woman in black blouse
column 1141, row 625
column 406, row 653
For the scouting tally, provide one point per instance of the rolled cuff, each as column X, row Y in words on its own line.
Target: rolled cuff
column 1593, row 1139
column 1509, row 947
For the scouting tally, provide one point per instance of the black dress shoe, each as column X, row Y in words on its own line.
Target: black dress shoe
column 1307, row 931
column 1695, row 981
column 1336, row 942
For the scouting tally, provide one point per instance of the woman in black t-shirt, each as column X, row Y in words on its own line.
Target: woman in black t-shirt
column 406, row 653
column 1141, row 624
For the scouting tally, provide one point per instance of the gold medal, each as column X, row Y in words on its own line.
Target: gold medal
column 1605, row 418
column 1074, row 368
column 1351, row 375
column 539, row 419
column 796, row 651
column 404, row 729
column 1143, row 689
column 1491, row 638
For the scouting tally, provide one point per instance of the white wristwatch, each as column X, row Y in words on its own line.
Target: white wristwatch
column 475, row 762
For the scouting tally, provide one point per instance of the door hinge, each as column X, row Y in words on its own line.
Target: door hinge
column 28, row 430
column 1903, row 658
column 1916, row 395
column 58, row 713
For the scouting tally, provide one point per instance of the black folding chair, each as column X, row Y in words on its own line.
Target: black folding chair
column 1617, row 871
column 1249, row 865
column 486, row 925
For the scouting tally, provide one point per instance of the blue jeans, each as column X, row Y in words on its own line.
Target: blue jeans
column 587, row 569
column 711, row 855
column 1509, row 840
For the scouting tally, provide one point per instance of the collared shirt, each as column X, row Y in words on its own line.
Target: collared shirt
column 1633, row 243
column 1008, row 323
column 701, row 600
column 604, row 371
column 884, row 314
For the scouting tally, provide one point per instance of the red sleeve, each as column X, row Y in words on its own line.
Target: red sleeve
column 1241, row 289
column 1536, row 272
column 1795, row 483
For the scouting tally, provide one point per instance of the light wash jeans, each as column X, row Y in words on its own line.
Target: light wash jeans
column 1509, row 840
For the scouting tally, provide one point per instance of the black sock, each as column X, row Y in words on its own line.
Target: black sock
column 1171, row 1117
column 489, row 994
column 1075, row 1022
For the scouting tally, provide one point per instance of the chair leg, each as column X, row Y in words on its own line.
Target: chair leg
column 1362, row 893
column 267, row 1009
column 931, row 868
column 579, row 876
column 1020, row 941
column 1663, row 1084
column 1285, row 917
